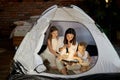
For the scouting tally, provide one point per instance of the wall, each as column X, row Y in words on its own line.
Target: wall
column 14, row 10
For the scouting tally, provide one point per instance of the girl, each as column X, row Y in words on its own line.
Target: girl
column 51, row 51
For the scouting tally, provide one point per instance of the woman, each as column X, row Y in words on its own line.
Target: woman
column 69, row 48
column 70, row 44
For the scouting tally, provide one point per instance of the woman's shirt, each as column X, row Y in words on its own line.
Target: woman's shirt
column 71, row 51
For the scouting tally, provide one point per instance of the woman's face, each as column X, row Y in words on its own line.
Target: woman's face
column 54, row 34
column 69, row 37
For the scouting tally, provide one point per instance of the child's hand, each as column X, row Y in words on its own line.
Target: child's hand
column 85, row 64
column 80, row 61
column 57, row 55
column 60, row 49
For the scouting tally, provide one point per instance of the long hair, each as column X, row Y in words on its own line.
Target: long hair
column 53, row 28
column 70, row 31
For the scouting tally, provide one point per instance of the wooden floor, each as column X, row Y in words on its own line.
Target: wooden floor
column 6, row 57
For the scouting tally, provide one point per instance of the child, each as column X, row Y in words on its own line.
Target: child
column 83, row 59
column 84, row 55
column 51, row 51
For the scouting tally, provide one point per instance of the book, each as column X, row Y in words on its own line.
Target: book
column 70, row 61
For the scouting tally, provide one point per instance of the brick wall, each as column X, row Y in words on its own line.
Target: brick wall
column 11, row 10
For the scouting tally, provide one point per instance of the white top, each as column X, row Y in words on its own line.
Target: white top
column 54, row 44
column 83, row 57
column 71, row 51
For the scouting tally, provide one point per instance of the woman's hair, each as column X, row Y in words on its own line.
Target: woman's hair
column 70, row 31
column 53, row 28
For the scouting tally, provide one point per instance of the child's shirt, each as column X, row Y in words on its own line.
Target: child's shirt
column 83, row 57
column 54, row 44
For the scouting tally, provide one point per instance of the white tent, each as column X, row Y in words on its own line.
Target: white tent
column 64, row 17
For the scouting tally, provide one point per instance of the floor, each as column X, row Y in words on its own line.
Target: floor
column 7, row 53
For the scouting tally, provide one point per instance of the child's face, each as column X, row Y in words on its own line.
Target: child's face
column 81, row 48
column 69, row 37
column 54, row 34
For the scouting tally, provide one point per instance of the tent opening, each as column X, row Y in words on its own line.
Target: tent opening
column 82, row 35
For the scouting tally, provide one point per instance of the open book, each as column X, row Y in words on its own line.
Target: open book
column 70, row 60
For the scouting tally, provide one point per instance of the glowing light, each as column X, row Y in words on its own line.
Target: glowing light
column 67, row 53
column 106, row 1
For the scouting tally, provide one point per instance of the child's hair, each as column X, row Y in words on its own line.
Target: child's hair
column 53, row 28
column 70, row 31
column 84, row 44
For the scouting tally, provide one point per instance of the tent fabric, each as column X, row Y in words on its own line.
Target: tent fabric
column 102, row 76
column 108, row 60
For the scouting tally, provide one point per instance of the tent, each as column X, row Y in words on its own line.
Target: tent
column 87, row 30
